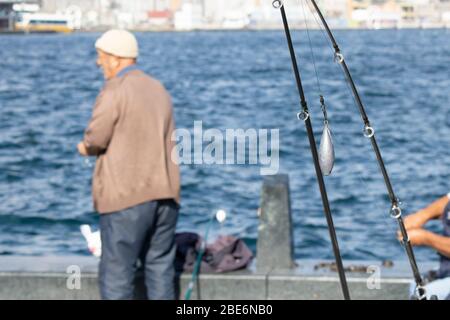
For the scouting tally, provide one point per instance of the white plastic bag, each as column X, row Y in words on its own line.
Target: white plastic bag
column 93, row 240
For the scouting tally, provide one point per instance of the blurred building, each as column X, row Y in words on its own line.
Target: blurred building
column 398, row 13
column 240, row 14
column 8, row 16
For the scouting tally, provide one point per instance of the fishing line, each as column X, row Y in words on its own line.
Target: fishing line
column 311, row 50
column 335, row 140
column 327, row 42
column 324, row 109
column 325, row 37
column 220, row 216
column 326, row 147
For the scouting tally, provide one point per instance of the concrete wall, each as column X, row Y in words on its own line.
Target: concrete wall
column 43, row 278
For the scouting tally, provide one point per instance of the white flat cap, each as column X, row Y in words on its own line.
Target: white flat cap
column 119, row 43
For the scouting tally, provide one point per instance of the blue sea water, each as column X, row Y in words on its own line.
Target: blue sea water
column 48, row 84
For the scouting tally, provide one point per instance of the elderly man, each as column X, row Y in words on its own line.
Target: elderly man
column 414, row 223
column 136, row 184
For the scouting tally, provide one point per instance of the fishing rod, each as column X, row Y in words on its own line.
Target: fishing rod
column 306, row 118
column 220, row 216
column 369, row 132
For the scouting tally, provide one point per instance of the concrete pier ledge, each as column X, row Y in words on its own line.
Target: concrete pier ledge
column 75, row 278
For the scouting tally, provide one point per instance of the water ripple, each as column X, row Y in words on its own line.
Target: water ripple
column 232, row 80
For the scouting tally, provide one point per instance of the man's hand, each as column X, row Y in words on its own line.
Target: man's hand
column 417, row 237
column 82, row 149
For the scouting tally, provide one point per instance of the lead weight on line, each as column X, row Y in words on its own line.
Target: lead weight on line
column 326, row 151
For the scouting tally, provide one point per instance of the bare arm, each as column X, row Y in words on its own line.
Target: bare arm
column 439, row 243
column 422, row 237
column 433, row 211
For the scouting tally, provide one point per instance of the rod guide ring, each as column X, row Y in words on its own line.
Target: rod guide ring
column 369, row 132
column 420, row 292
column 277, row 4
column 339, row 57
column 396, row 212
column 303, row 116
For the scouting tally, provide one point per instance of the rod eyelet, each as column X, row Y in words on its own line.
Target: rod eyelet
column 405, row 241
column 420, row 292
column 303, row 116
column 396, row 212
column 338, row 57
column 369, row 132
column 277, row 4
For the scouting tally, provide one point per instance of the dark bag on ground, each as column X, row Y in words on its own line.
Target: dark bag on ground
column 226, row 254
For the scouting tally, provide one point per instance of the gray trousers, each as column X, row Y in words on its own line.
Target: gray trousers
column 142, row 234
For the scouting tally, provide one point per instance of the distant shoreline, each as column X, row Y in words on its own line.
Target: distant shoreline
column 171, row 30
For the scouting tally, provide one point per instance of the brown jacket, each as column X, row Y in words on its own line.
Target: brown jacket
column 130, row 132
